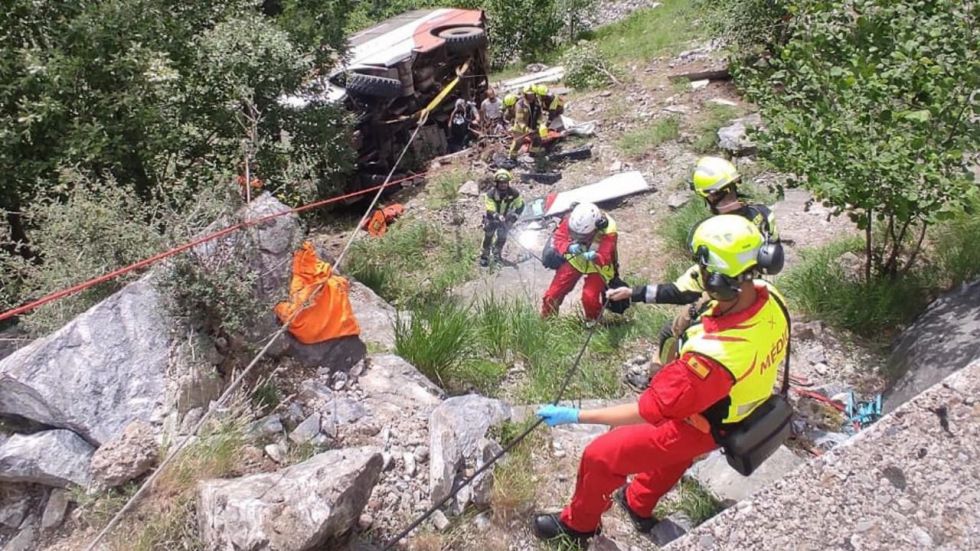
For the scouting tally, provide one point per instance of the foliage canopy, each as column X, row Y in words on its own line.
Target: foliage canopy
column 871, row 103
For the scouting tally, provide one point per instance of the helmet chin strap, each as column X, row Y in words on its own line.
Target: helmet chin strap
column 727, row 206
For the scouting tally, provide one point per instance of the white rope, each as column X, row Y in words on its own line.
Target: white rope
column 241, row 377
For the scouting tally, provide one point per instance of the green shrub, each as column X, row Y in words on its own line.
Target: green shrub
column 81, row 229
column 750, row 27
column 818, row 285
column 869, row 104
column 636, row 144
column 586, row 67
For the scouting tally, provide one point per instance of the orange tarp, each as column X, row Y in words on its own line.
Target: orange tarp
column 329, row 314
column 377, row 225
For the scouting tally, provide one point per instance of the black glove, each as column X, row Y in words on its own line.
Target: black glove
column 511, row 218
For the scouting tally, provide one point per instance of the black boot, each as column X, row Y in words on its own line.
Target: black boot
column 484, row 261
column 642, row 524
column 547, row 526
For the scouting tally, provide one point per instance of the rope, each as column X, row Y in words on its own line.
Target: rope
column 241, row 377
column 517, row 440
column 179, row 249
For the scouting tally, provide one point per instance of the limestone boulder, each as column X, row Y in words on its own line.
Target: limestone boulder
column 305, row 506
column 127, row 457
column 375, row 317
column 97, row 373
column 729, row 487
column 52, row 458
column 944, row 339
column 457, row 431
column 734, row 137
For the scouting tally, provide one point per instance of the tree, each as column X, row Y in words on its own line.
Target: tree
column 152, row 99
column 872, row 104
column 149, row 92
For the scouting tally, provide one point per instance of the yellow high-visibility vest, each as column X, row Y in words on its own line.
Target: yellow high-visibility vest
column 584, row 266
column 751, row 351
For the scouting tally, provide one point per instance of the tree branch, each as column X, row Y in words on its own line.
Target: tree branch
column 915, row 251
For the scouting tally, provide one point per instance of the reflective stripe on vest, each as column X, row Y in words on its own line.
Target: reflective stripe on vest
column 751, row 351
column 584, row 266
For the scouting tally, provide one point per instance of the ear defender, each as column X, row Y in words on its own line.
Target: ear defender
column 771, row 258
column 602, row 223
column 719, row 286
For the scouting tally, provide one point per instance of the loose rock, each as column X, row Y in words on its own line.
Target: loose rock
column 439, row 520
column 26, row 539
column 470, row 188
column 306, row 430
column 734, row 138
column 52, row 458
column 54, row 510
column 304, row 506
column 456, row 429
column 130, row 455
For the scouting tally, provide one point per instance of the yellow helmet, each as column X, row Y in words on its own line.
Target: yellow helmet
column 727, row 244
column 502, row 175
column 540, row 89
column 712, row 174
column 510, row 100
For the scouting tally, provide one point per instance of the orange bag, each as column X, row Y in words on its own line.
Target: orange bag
column 377, row 225
column 330, row 315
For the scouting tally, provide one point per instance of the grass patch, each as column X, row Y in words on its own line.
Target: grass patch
column 442, row 189
column 715, row 117
column 413, row 256
column 635, row 144
column 510, row 71
column 96, row 509
column 957, row 253
column 173, row 525
column 514, row 482
column 266, row 396
column 436, row 339
column 648, row 33
column 692, row 500
column 817, row 284
column 675, row 228
column 167, row 518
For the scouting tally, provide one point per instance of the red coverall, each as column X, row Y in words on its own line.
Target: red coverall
column 567, row 276
column 660, row 451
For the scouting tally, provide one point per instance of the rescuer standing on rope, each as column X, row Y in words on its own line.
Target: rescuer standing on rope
column 727, row 368
column 503, row 206
column 587, row 240
column 716, row 181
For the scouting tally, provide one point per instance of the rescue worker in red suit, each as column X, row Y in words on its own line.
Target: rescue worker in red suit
column 586, row 239
column 729, row 358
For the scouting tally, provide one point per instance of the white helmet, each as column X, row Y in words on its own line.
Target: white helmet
column 582, row 222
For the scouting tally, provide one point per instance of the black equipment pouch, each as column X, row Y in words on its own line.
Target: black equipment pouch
column 550, row 257
column 748, row 443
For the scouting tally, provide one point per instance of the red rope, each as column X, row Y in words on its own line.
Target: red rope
column 177, row 250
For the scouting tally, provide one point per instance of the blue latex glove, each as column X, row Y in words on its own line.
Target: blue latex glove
column 589, row 255
column 575, row 248
column 558, row 415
